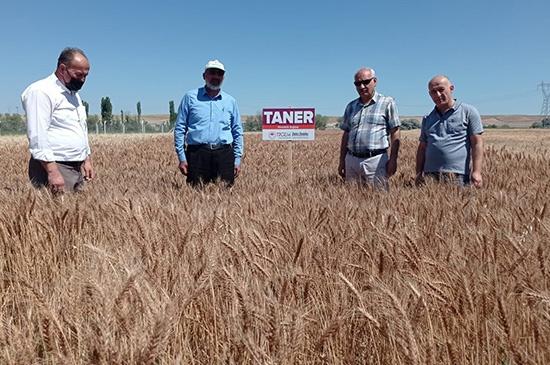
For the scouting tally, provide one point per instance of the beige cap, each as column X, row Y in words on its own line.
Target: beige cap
column 214, row 64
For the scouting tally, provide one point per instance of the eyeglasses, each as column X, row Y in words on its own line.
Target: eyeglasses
column 363, row 82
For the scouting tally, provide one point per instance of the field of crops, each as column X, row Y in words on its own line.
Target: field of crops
column 290, row 266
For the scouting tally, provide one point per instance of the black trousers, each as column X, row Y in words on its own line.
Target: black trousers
column 206, row 165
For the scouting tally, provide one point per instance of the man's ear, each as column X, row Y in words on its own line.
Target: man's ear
column 452, row 87
column 204, row 75
column 63, row 69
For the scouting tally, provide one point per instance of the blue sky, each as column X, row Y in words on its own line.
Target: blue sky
column 284, row 53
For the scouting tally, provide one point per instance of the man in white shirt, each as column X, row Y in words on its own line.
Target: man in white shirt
column 56, row 126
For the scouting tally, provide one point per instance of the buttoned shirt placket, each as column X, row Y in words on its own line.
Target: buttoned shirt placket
column 359, row 124
column 210, row 132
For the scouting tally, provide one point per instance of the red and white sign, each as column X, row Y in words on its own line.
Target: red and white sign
column 294, row 124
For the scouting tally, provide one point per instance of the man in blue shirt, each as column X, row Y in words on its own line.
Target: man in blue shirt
column 449, row 137
column 209, row 124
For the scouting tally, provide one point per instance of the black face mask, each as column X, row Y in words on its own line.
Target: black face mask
column 74, row 84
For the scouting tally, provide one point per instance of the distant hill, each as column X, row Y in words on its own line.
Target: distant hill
column 512, row 120
column 156, row 118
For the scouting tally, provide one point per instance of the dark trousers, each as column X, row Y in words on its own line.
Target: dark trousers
column 70, row 170
column 206, row 164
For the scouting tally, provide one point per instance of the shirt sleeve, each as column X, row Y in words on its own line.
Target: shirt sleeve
column 180, row 129
column 345, row 126
column 393, row 115
column 423, row 136
column 38, row 108
column 237, row 132
column 475, row 126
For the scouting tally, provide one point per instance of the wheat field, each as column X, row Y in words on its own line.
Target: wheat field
column 290, row 266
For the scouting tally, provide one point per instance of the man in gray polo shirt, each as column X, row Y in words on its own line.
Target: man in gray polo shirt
column 450, row 136
column 370, row 123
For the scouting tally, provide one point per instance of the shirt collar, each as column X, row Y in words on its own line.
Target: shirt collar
column 60, row 86
column 374, row 99
column 452, row 109
column 202, row 90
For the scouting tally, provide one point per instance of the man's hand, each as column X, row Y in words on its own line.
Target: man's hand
column 342, row 169
column 477, row 159
column 56, row 181
column 391, row 167
column 237, row 170
column 183, row 167
column 477, row 180
column 88, row 169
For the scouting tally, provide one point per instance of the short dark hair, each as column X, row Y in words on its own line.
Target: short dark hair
column 67, row 55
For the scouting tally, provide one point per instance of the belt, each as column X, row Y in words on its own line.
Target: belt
column 368, row 153
column 75, row 164
column 209, row 146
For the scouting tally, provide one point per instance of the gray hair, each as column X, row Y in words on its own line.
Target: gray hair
column 370, row 70
column 440, row 76
column 67, row 55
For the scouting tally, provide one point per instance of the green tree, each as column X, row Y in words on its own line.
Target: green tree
column 106, row 110
column 92, row 121
column 86, row 107
column 253, row 123
column 132, row 125
column 321, row 121
column 12, row 124
column 408, row 124
column 139, row 110
column 173, row 115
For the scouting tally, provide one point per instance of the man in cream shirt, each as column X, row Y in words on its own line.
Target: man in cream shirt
column 56, row 126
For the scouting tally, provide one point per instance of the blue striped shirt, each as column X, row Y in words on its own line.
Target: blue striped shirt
column 204, row 120
column 368, row 124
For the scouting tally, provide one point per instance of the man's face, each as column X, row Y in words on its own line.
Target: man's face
column 75, row 72
column 365, row 84
column 441, row 92
column 213, row 78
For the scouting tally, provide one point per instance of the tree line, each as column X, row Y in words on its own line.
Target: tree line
column 12, row 124
column 126, row 122
column 105, row 122
column 254, row 123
